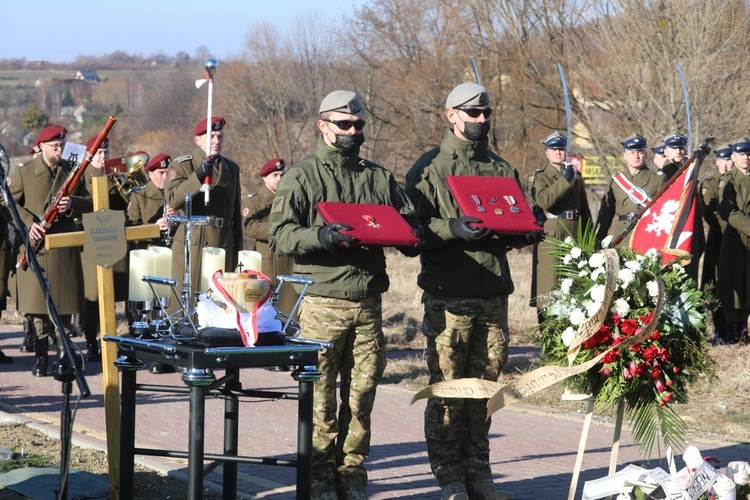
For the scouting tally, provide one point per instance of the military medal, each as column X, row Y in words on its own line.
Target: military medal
column 498, row 211
column 511, row 201
column 476, row 200
column 371, row 221
column 493, row 200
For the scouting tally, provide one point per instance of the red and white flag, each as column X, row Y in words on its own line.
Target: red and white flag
column 669, row 224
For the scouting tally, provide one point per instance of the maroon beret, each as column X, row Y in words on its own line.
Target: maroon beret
column 35, row 149
column 159, row 161
column 51, row 133
column 275, row 165
column 92, row 140
column 217, row 123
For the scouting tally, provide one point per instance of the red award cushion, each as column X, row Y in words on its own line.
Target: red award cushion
column 372, row 225
column 497, row 201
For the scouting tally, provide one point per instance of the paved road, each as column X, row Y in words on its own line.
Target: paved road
column 533, row 451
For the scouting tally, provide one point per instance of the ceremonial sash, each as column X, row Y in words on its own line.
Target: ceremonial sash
column 636, row 194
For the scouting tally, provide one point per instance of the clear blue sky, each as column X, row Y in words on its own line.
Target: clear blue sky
column 60, row 31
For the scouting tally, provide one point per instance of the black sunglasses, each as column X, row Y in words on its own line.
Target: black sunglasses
column 347, row 124
column 475, row 112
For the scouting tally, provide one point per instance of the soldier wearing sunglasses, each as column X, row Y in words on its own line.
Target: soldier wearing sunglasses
column 466, row 283
column 343, row 306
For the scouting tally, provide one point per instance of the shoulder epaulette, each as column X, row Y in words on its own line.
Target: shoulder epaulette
column 136, row 189
column 251, row 195
column 183, row 158
column 21, row 164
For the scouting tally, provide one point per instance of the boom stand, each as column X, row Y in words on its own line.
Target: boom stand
column 66, row 369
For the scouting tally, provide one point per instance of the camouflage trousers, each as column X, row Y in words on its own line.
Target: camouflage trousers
column 466, row 338
column 341, row 445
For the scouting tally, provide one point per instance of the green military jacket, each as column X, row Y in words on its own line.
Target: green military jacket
column 709, row 200
column 453, row 267
column 329, row 175
column 225, row 202
column 617, row 204
column 564, row 205
column 734, row 266
column 147, row 207
column 32, row 186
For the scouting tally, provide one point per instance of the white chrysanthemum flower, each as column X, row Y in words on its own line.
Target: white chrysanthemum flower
column 568, row 240
column 583, row 273
column 653, row 288
column 652, row 254
column 593, row 308
column 565, row 286
column 575, row 252
column 567, row 336
column 597, row 272
column 597, row 293
column 596, row 260
column 607, row 241
column 633, row 265
column 621, row 307
column 566, row 260
column 577, row 317
column 626, row 276
column 582, row 263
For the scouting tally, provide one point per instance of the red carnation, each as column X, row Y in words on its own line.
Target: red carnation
column 611, row 356
column 664, row 355
column 656, row 372
column 676, row 369
column 600, row 337
column 650, row 353
column 616, row 319
column 656, row 335
column 647, row 318
column 629, row 326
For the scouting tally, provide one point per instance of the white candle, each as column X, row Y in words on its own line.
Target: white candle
column 162, row 268
column 212, row 259
column 141, row 264
column 249, row 259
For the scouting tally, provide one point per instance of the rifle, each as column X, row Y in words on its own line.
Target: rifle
column 699, row 155
column 70, row 183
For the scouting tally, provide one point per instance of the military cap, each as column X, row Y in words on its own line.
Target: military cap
column 217, row 123
column 92, row 140
column 676, row 140
column 659, row 150
column 468, row 95
column 741, row 146
column 635, row 142
column 51, row 133
column 161, row 160
column 724, row 151
column 35, row 149
column 341, row 101
column 556, row 141
column 275, row 165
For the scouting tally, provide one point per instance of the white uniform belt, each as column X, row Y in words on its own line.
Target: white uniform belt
column 567, row 215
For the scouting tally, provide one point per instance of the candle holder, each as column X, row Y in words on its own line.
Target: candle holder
column 139, row 309
column 159, row 316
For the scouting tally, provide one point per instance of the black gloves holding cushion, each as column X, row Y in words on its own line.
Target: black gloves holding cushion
column 205, row 169
column 567, row 171
column 535, row 237
column 461, row 228
column 332, row 240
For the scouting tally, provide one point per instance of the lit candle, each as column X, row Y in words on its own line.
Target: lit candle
column 141, row 264
column 212, row 259
column 249, row 259
column 162, row 268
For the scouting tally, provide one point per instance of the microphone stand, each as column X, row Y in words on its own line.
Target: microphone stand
column 66, row 368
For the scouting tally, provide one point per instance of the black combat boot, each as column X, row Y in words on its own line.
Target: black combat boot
column 28, row 343
column 40, row 352
column 76, row 325
column 92, row 347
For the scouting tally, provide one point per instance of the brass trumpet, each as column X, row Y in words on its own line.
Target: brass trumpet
column 128, row 173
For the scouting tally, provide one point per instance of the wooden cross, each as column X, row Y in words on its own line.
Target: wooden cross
column 106, row 289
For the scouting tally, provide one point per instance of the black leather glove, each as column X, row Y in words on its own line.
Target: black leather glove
column 332, row 240
column 416, row 249
column 567, row 171
column 205, row 169
column 535, row 237
column 461, row 228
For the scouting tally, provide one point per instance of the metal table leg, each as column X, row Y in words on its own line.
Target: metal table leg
column 127, row 433
column 231, row 434
column 195, row 442
column 306, row 376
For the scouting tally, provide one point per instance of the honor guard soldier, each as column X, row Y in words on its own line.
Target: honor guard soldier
column 659, row 159
column 185, row 174
column 675, row 152
column 559, row 193
column 734, row 266
column 629, row 191
column 32, row 187
column 256, row 209
column 466, row 282
column 344, row 305
column 709, row 200
column 90, row 315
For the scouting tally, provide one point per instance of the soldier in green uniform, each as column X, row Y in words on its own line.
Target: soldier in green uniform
column 557, row 191
column 186, row 174
column 90, row 315
column 32, row 187
column 675, row 153
column 628, row 192
column 466, row 282
column 344, row 305
column 659, row 159
column 709, row 200
column 255, row 211
column 734, row 263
